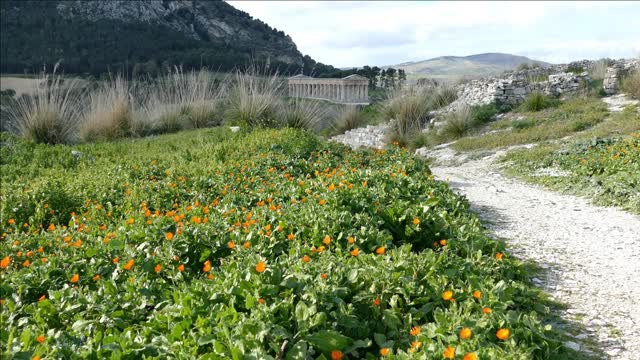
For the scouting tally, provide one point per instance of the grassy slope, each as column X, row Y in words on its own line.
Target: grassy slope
column 276, row 196
column 602, row 163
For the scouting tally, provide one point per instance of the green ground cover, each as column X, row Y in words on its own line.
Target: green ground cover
column 271, row 244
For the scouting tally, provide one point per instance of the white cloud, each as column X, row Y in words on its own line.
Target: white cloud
column 378, row 33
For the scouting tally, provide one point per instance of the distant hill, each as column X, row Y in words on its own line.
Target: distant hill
column 478, row 65
column 146, row 36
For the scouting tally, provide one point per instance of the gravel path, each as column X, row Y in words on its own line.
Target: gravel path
column 590, row 254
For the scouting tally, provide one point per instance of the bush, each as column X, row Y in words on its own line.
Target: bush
column 458, row 123
column 483, row 114
column 409, row 111
column 255, row 99
column 350, row 117
column 523, row 124
column 303, row 114
column 49, row 114
column 599, row 69
column 443, row 96
column 109, row 114
column 538, row 101
column 631, row 84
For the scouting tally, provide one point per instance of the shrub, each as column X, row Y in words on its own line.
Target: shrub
column 350, row 117
column 599, row 69
column 49, row 114
column 537, row 101
column 109, row 114
column 631, row 84
column 483, row 114
column 303, row 114
column 254, row 99
column 443, row 96
column 409, row 110
column 457, row 123
column 523, row 124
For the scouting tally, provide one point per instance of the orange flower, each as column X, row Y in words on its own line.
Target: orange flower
column 231, row 244
column 268, row 227
column 181, row 267
column 5, row 262
column 384, row 351
column 486, row 310
column 443, row 242
column 477, row 294
column 261, row 301
column 416, row 221
column 29, row 253
column 291, row 236
column 96, row 277
column 470, row 356
column 447, row 295
column 41, row 249
column 51, row 227
column 499, row 256
column 43, row 297
column 40, row 339
column 261, row 267
column 326, row 240
column 323, row 276
column 355, row 252
column 376, row 302
column 416, row 344
column 502, row 334
column 449, row 353
column 157, row 268
column 168, row 236
column 466, row 333
column 115, row 260
column 75, row 278
column 207, row 266
column 306, row 258
column 210, row 277
column 129, row 265
column 320, row 248
column 37, row 357
column 414, row 331
column 380, row 250
column 26, row 263
column 246, row 245
column 336, row 355
column 351, row 240
column 11, row 221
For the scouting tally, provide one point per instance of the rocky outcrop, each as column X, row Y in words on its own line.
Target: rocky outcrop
column 372, row 136
column 615, row 72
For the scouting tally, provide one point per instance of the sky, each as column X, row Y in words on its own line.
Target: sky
column 353, row 33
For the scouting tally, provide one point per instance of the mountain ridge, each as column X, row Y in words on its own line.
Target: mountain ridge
column 103, row 36
column 484, row 64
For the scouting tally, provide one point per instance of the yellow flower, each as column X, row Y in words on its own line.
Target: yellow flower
column 470, row 356
column 502, row 334
column 414, row 331
column 449, row 353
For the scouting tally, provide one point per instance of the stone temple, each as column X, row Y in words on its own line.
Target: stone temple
column 353, row 89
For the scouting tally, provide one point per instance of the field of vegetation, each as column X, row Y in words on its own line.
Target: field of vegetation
column 257, row 245
column 602, row 163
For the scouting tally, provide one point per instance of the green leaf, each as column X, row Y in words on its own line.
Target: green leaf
column 298, row 351
column 329, row 340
